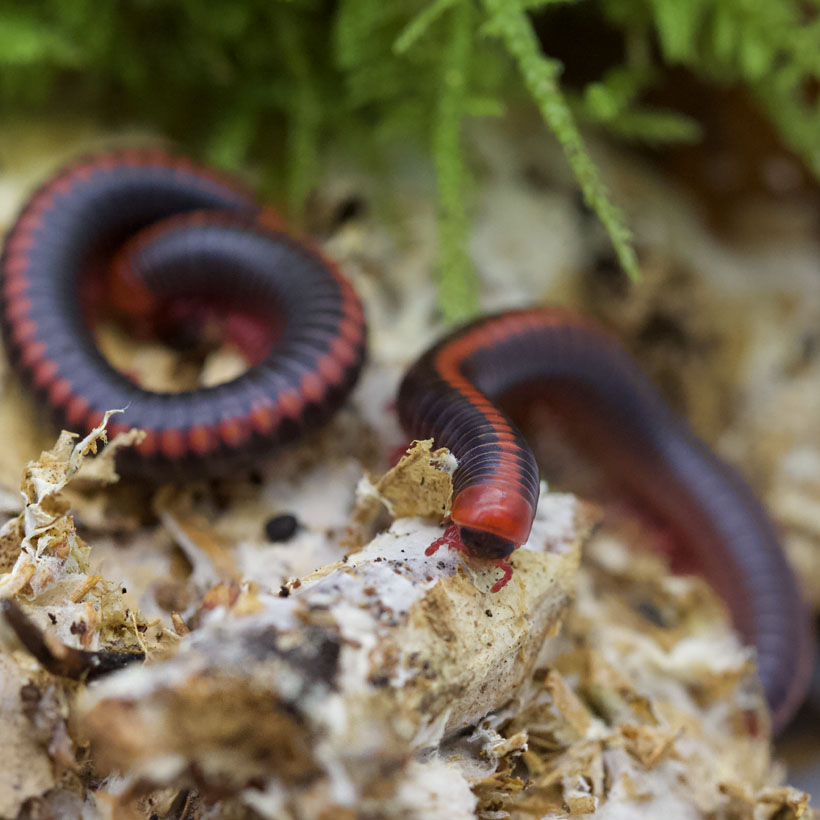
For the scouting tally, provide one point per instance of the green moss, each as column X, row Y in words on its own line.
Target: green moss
column 540, row 76
column 275, row 82
column 459, row 298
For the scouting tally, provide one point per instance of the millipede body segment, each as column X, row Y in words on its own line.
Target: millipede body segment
column 167, row 228
column 456, row 393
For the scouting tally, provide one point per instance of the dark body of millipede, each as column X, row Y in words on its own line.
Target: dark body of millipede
column 185, row 230
column 454, row 393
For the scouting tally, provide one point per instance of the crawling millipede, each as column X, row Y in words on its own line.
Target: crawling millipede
column 456, row 392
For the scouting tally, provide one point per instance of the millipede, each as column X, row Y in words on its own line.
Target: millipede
column 456, row 393
column 171, row 228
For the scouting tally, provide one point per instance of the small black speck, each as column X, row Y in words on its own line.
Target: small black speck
column 379, row 680
column 183, row 337
column 441, row 564
column 488, row 613
column 284, row 591
column 30, row 697
column 78, row 628
column 652, row 613
column 52, row 617
column 345, row 558
column 124, row 590
column 281, row 527
column 606, row 271
column 351, row 207
column 663, row 330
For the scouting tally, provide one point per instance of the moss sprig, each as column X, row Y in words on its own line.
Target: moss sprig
column 458, row 291
column 274, row 83
column 540, row 75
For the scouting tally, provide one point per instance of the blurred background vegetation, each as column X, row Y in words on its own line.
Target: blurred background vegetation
column 273, row 83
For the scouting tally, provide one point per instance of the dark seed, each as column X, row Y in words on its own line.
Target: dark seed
column 281, row 527
column 349, row 208
column 652, row 613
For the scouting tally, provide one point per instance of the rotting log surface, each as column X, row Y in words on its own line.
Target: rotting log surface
column 333, row 688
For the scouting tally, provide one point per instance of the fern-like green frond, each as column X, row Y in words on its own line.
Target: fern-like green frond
column 771, row 47
column 540, row 75
column 458, row 291
column 418, row 26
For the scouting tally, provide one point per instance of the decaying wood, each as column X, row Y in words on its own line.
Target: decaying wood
column 56, row 657
column 650, row 708
column 335, row 686
column 25, row 768
column 70, row 611
column 411, row 487
column 393, row 684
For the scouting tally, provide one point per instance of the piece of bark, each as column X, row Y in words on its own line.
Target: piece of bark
column 419, row 484
column 329, row 691
column 51, row 577
column 25, row 768
column 650, row 708
column 50, row 549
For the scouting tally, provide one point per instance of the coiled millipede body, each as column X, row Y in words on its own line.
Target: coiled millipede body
column 174, row 228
